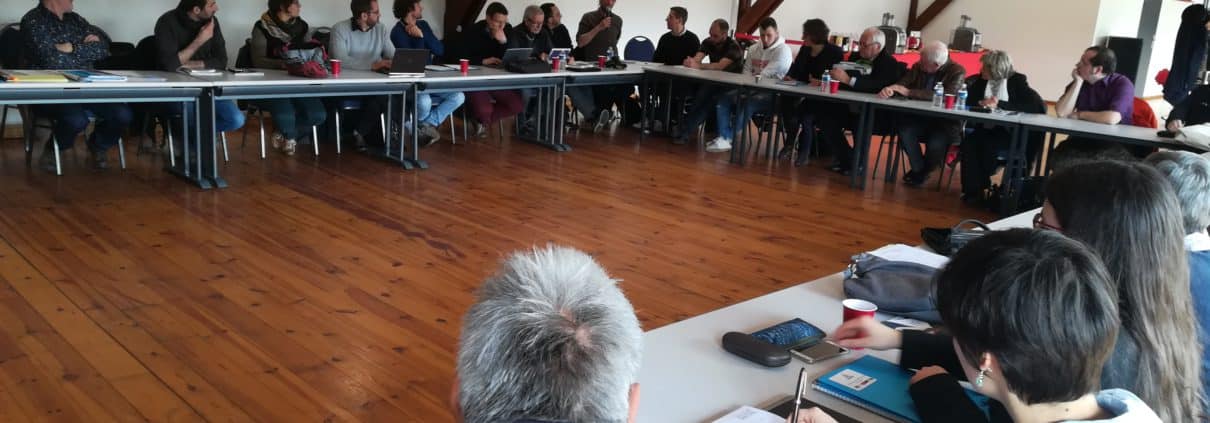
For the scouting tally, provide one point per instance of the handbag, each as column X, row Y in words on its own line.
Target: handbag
column 947, row 241
column 308, row 60
column 900, row 288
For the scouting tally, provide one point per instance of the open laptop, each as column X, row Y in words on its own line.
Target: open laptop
column 408, row 63
column 516, row 54
column 560, row 53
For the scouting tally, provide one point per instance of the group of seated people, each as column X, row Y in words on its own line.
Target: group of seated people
column 1098, row 313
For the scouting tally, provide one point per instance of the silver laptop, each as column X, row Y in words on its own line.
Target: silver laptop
column 560, row 53
column 408, row 63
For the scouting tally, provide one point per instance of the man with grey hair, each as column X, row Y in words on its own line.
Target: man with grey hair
column 939, row 133
column 1190, row 176
column 550, row 338
column 884, row 71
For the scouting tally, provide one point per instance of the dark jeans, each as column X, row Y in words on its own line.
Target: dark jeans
column 832, row 120
column 981, row 151
column 797, row 113
column 72, row 119
column 294, row 117
column 607, row 96
column 703, row 104
column 937, row 134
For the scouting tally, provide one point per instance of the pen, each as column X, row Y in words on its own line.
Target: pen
column 802, row 384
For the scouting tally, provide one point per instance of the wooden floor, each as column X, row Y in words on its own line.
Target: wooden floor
column 332, row 288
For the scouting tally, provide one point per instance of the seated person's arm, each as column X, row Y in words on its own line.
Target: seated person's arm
column 1066, row 106
column 1109, row 117
column 722, row 64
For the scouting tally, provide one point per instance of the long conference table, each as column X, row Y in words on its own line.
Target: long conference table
column 687, row 377
column 550, row 88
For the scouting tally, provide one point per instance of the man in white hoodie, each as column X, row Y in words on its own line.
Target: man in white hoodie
column 770, row 58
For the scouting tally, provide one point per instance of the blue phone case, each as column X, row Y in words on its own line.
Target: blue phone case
column 790, row 334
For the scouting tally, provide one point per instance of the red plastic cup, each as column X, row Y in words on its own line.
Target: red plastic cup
column 335, row 67
column 465, row 65
column 835, row 88
column 554, row 64
column 601, row 62
column 949, row 101
column 854, row 308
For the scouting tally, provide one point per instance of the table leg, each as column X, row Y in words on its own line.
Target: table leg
column 861, row 146
column 415, row 109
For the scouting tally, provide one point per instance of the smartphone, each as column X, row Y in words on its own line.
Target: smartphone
column 1166, row 134
column 790, row 334
column 819, row 352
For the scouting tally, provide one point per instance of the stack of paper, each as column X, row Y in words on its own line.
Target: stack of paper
column 32, row 76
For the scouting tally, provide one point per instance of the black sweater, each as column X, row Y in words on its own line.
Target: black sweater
column 560, row 37
column 673, row 50
column 806, row 66
column 1021, row 98
column 174, row 31
column 939, row 398
column 886, row 71
column 481, row 45
column 522, row 38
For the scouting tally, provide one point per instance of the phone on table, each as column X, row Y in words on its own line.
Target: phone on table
column 1166, row 134
column 818, row 352
column 791, row 334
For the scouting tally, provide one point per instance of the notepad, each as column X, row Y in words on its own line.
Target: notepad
column 33, row 76
column 135, row 76
column 92, row 76
column 878, row 386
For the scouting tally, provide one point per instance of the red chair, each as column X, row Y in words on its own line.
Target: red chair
column 1143, row 115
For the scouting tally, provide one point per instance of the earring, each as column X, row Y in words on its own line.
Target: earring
column 979, row 379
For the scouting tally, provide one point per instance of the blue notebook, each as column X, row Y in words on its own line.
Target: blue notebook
column 879, row 386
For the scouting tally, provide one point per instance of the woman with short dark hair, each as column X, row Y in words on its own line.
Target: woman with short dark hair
column 1033, row 318
column 278, row 28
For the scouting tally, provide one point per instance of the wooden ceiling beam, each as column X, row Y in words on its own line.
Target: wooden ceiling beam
column 751, row 14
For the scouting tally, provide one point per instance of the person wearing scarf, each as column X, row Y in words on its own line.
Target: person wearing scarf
column 278, row 28
column 998, row 87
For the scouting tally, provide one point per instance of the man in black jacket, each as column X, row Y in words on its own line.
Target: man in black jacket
column 189, row 37
column 487, row 40
column 1193, row 110
column 885, row 70
column 816, row 57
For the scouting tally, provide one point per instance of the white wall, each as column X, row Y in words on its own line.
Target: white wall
column 851, row 18
column 1044, row 37
column 639, row 17
column 131, row 20
column 1118, row 18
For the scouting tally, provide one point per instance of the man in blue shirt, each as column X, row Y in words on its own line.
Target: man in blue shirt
column 413, row 32
column 57, row 38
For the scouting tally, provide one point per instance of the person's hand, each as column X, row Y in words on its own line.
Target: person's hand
column 492, row 61
column 812, row 415
column 92, row 38
column 498, row 34
column 605, row 23
column 1175, row 125
column 901, row 90
column 840, row 75
column 1075, row 74
column 865, row 332
column 206, row 33
column 886, row 93
column 990, row 102
column 692, row 64
column 413, row 30
column 65, row 48
column 814, row 82
column 381, row 65
column 925, row 373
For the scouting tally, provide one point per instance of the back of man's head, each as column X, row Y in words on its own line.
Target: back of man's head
column 550, row 337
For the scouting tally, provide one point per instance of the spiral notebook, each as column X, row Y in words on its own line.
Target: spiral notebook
column 878, row 386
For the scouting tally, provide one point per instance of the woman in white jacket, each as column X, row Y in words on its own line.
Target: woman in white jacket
column 770, row 58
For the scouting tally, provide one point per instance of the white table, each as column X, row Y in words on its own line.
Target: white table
column 687, row 376
column 175, row 88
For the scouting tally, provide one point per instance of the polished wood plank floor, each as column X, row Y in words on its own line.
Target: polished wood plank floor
column 331, row 288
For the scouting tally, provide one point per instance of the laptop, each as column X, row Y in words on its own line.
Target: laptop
column 408, row 63
column 560, row 53
column 516, row 55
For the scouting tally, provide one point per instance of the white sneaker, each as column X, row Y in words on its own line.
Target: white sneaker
column 719, row 145
column 277, row 141
column 289, row 147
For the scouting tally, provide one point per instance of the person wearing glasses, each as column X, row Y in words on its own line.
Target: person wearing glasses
column 360, row 43
column 884, row 71
column 992, row 296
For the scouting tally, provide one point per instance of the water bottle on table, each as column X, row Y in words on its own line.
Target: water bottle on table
column 961, row 98
column 939, row 95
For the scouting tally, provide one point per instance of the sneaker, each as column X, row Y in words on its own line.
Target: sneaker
column 602, row 121
column 429, row 135
column 480, row 130
column 359, row 143
column 277, row 141
column 98, row 159
column 289, row 147
column 719, row 145
column 785, row 152
column 679, row 141
column 914, row 179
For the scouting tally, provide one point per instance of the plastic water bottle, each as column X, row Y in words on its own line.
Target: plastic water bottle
column 939, row 95
column 826, row 86
column 961, row 98
column 609, row 54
